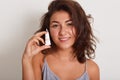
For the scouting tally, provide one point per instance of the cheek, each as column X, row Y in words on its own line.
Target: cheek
column 53, row 33
column 73, row 31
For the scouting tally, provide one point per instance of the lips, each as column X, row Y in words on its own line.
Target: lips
column 64, row 39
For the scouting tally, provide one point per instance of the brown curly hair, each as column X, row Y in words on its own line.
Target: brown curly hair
column 84, row 46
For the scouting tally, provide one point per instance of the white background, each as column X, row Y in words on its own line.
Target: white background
column 19, row 19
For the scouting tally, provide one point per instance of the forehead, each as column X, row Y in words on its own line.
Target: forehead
column 60, row 16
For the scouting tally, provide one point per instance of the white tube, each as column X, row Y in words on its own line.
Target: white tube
column 47, row 38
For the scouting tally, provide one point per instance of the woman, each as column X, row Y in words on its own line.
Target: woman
column 72, row 46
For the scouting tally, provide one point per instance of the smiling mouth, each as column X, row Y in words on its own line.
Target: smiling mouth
column 64, row 39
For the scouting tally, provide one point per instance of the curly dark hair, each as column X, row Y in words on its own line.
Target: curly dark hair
column 84, row 46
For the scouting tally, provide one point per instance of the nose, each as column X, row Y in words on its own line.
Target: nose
column 63, row 30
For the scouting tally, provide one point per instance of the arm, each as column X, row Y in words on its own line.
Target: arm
column 31, row 50
column 27, row 71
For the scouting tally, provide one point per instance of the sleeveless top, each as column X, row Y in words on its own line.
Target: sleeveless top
column 48, row 74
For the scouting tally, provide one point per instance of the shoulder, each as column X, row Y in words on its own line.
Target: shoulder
column 93, row 70
column 38, row 60
column 37, row 63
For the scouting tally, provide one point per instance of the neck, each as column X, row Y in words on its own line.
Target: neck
column 64, row 54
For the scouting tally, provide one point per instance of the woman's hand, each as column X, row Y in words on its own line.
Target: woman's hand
column 33, row 47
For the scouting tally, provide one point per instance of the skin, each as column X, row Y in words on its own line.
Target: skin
column 29, row 56
column 60, row 60
column 62, row 30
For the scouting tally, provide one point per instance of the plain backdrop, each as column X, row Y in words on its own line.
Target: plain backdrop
column 19, row 19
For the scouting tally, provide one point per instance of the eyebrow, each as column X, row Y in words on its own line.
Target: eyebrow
column 68, row 20
column 58, row 22
column 54, row 22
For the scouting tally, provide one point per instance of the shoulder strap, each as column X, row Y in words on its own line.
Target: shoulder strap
column 86, row 65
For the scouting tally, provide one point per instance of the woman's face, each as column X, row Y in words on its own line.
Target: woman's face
column 62, row 30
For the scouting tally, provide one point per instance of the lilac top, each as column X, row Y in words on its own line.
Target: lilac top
column 49, row 75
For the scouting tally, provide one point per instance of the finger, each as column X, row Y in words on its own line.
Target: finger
column 40, row 39
column 34, row 41
column 42, row 48
column 40, row 33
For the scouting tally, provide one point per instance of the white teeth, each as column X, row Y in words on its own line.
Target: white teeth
column 63, row 38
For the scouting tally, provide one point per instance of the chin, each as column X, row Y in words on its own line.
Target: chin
column 65, row 47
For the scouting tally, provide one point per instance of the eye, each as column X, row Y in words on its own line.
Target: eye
column 54, row 25
column 69, row 23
